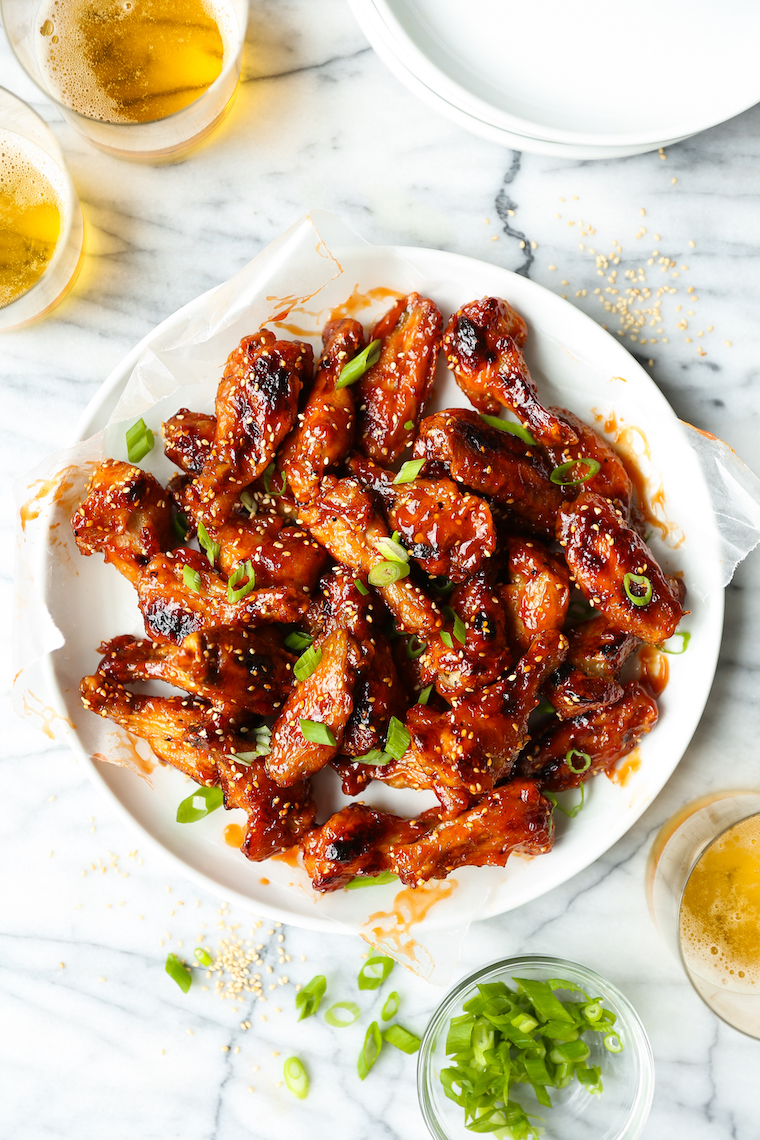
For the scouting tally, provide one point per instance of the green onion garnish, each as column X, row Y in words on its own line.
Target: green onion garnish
column 685, row 639
column 424, row 696
column 374, row 972
column 247, row 500
column 446, row 639
column 409, row 471
column 307, row 663
column 263, row 736
column 361, row 363
column 415, row 648
column 641, row 580
column 441, row 586
column 373, row 1043
column 244, row 570
column 386, row 573
column 380, row 880
column 374, row 756
column 181, row 526
column 212, row 548
column 298, row 641
column 399, row 738
column 191, row 578
column 316, row 732
column 392, row 549
column 460, row 629
column 409, row 425
column 308, row 998
column 592, row 1011
column 296, row 1077
column 571, row 814
column 267, row 477
column 203, row 956
column 342, row 1014
column 402, row 1039
column 390, row 1009
column 139, row 441
column 558, row 474
column 199, row 804
column 585, row 761
column 178, row 972
column 515, row 429
column 545, row 707
column 361, row 587
column 613, row 1043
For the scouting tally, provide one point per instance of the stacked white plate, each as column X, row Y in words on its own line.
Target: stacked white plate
column 590, row 79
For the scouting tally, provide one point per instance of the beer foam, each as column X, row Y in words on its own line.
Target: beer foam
column 720, row 913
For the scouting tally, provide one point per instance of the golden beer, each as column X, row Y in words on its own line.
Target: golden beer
column 132, row 61
column 30, row 215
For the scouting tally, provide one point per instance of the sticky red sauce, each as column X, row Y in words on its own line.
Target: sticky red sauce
column 33, row 706
column 359, row 301
column 392, row 928
column 623, row 771
column 233, row 835
column 654, row 670
column 290, row 857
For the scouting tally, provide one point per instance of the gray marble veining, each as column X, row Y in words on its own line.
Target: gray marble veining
column 319, row 121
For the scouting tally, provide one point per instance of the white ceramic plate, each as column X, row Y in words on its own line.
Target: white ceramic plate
column 576, row 364
column 586, row 78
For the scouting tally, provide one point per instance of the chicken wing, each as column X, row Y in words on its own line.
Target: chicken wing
column 483, row 345
column 611, row 480
column 277, row 819
column 188, row 437
column 353, row 842
column 588, row 680
column 615, row 570
column 378, row 695
column 395, row 390
column 472, row 651
column 536, row 594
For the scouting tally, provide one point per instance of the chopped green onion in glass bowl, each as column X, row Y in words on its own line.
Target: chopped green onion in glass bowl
column 622, row 1064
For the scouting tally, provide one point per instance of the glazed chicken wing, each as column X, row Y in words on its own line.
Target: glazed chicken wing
column 615, row 570
column 493, row 463
column 395, row 390
column 483, row 346
column 338, row 603
column 449, row 532
column 188, row 437
column 353, row 842
column 536, row 594
column 277, row 818
column 325, row 430
column 377, row 697
column 611, row 480
column 126, row 516
column 472, row 651
column 588, row 679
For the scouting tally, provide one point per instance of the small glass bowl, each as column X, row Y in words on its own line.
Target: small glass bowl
column 621, row 1111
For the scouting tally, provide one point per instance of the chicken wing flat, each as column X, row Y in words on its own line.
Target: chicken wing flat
column 325, row 431
column 462, row 666
column 324, row 698
column 395, row 390
column 536, row 594
column 588, row 680
column 606, row 736
column 277, row 818
column 615, row 569
column 238, row 671
column 493, row 463
column 126, row 516
column 571, row 691
column 256, row 407
column 483, row 345
column 377, row 697
column 448, row 532
column 611, row 481
column 354, row 842
column 172, row 609
column 188, row 438
column 338, row 603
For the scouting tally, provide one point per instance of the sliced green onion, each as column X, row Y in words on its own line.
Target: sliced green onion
column 543, row 1000
column 612, row 1043
column 545, row 707
column 399, row 738
column 308, row 998
column 374, row 972
column 373, row 1043
column 296, row 1077
column 380, row 880
column 361, row 587
column 267, row 477
column 447, row 640
column 263, row 736
column 514, row 429
column 298, row 641
column 391, row 549
column 524, row 1023
column 361, row 363
column 211, row 548
column 386, row 573
column 409, row 471
column 342, row 1014
column 199, row 804
column 585, row 761
column 247, row 500
column 191, row 578
column 460, row 629
column 203, row 956
column 307, row 663
column 592, row 1011
column 558, row 474
column 139, row 441
column 424, row 696
column 638, row 599
column 571, row 814
column 409, row 425
column 316, row 732
column 460, row 1033
column 685, row 639
column 179, row 973
column 181, row 526
column 590, row 1077
column 402, row 1039
column 390, row 1009
column 441, row 586
column 374, row 756
column 415, row 648
column 244, row 570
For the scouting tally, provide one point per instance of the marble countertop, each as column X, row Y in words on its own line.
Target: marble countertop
column 96, row 1040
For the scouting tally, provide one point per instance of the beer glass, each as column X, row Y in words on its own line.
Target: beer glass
column 140, row 79
column 703, row 889
column 41, row 229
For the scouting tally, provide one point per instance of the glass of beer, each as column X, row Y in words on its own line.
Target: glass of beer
column 703, row 888
column 41, row 230
column 141, row 79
